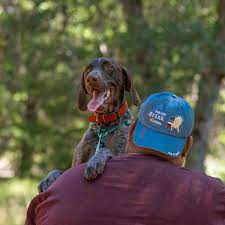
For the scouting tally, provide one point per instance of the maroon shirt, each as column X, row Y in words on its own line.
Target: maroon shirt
column 134, row 190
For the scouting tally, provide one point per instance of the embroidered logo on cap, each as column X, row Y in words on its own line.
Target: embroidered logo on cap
column 175, row 123
column 157, row 117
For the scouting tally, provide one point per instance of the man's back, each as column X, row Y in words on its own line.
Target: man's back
column 136, row 189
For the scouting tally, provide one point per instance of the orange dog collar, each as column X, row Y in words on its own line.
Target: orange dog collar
column 111, row 117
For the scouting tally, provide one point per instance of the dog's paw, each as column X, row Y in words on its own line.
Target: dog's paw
column 93, row 169
column 51, row 177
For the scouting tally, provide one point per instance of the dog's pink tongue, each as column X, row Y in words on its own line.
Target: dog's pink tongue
column 96, row 101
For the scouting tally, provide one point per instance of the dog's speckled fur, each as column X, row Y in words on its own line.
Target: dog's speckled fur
column 114, row 144
column 110, row 74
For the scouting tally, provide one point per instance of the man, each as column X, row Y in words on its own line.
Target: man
column 148, row 186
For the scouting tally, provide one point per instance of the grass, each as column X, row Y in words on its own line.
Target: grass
column 15, row 195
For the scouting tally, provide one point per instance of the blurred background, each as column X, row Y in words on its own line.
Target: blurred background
column 174, row 45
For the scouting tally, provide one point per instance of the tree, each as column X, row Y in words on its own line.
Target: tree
column 209, row 89
column 45, row 44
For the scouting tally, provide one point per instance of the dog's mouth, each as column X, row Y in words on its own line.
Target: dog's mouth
column 100, row 98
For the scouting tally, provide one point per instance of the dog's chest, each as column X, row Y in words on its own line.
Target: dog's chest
column 115, row 140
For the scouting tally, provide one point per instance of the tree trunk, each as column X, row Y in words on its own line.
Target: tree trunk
column 133, row 12
column 138, row 35
column 209, row 88
column 27, row 148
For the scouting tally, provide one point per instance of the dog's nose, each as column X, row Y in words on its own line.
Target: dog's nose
column 93, row 78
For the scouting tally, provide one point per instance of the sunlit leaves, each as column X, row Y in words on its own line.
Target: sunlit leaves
column 45, row 44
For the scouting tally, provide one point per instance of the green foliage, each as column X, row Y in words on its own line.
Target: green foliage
column 45, row 44
column 15, row 197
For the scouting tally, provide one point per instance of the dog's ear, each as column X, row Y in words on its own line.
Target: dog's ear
column 129, row 86
column 82, row 96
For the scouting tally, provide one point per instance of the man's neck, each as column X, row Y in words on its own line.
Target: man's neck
column 135, row 149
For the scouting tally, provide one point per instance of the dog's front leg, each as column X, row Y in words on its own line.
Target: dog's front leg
column 95, row 166
column 85, row 147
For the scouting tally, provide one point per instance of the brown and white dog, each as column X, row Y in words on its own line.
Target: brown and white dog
column 102, row 92
column 104, row 81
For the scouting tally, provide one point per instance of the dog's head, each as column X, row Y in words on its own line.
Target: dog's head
column 105, row 81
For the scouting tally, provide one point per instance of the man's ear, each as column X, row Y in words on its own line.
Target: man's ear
column 82, row 96
column 129, row 86
column 187, row 146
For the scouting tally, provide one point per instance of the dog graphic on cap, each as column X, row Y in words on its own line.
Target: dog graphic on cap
column 175, row 123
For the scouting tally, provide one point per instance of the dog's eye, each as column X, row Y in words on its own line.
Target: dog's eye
column 108, row 67
column 88, row 70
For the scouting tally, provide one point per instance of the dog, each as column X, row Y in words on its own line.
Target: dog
column 104, row 81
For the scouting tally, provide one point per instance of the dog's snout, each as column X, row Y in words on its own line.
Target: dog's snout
column 93, row 77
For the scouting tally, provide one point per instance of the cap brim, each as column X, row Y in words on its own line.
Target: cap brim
column 148, row 138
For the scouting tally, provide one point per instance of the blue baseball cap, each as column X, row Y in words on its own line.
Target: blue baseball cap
column 164, row 123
